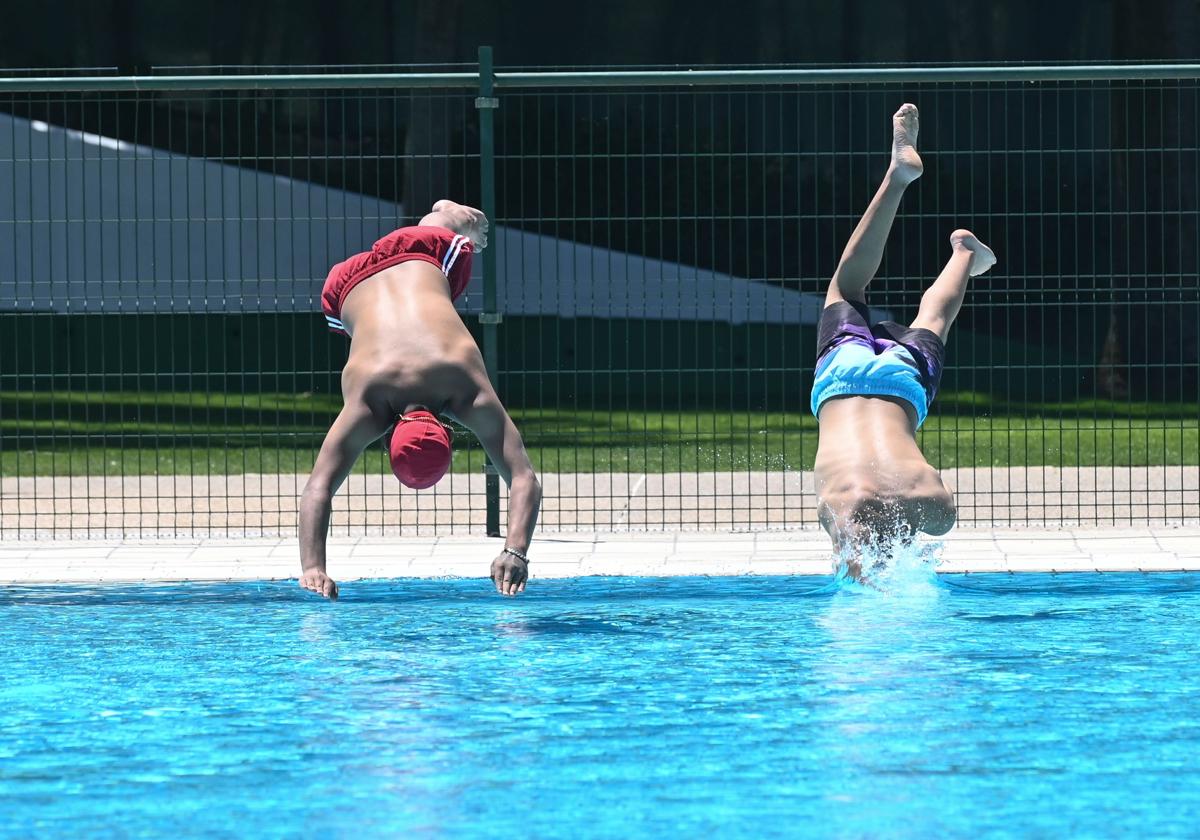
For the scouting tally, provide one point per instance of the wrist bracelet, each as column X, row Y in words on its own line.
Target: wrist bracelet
column 518, row 554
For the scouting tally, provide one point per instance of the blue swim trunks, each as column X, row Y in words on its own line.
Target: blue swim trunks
column 887, row 359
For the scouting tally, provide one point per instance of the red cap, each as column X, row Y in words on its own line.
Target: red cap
column 420, row 450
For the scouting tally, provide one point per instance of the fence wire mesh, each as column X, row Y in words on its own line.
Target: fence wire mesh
column 661, row 257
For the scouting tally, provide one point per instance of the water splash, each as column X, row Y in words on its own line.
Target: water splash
column 901, row 568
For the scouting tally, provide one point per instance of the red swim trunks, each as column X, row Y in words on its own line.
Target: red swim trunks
column 438, row 246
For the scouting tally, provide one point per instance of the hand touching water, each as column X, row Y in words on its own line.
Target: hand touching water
column 315, row 580
column 509, row 573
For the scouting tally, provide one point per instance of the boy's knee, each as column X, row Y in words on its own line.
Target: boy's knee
column 836, row 294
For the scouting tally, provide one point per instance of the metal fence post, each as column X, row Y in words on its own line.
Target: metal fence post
column 486, row 103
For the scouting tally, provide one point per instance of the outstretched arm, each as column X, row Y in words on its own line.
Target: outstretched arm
column 498, row 434
column 351, row 433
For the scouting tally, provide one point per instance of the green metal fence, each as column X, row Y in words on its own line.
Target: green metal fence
column 647, row 311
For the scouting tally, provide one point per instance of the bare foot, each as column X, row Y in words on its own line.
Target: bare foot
column 982, row 257
column 906, row 163
column 461, row 219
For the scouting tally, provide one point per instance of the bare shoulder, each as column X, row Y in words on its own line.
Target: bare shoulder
column 364, row 390
column 471, row 394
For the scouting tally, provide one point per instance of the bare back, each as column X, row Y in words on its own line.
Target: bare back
column 410, row 350
column 409, row 344
column 868, row 462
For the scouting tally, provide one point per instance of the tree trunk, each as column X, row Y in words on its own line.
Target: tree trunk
column 431, row 117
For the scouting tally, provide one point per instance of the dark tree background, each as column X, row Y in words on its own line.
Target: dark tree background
column 418, row 148
column 137, row 35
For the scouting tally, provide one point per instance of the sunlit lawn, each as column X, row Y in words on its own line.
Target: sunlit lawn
column 173, row 434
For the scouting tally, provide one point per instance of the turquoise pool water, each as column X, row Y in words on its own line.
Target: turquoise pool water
column 987, row 705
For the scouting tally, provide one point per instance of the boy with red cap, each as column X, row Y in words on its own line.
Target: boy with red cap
column 412, row 358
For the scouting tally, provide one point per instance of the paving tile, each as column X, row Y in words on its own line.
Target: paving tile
column 699, row 557
column 442, row 568
column 1185, row 546
column 237, row 544
column 148, row 554
column 688, row 568
column 620, row 547
column 776, row 543
column 1120, row 561
column 77, row 552
column 1124, row 545
column 558, row 565
column 483, row 556
column 958, row 534
column 559, row 572
column 1175, row 531
column 395, row 556
column 962, row 565
column 196, row 561
column 382, row 573
column 1047, row 562
column 258, row 570
column 1113, row 532
column 247, row 553
column 973, row 545
column 656, row 553
column 392, row 552
column 1167, row 562
column 798, row 553
column 774, row 566
column 1014, row 547
column 969, row 558
column 715, row 537
column 565, row 537
column 540, row 551
column 651, row 567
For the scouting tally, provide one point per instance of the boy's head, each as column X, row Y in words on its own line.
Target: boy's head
column 419, row 449
column 869, row 536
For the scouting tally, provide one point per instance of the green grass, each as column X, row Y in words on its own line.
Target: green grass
column 180, row 434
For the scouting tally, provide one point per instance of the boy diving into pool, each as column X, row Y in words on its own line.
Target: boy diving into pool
column 874, row 382
column 412, row 359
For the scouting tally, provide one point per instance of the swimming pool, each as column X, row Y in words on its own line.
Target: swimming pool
column 1034, row 704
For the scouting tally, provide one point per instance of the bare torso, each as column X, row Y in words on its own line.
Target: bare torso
column 409, row 344
column 870, row 469
column 409, row 349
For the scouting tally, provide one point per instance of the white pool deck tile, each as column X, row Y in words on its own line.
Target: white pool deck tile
column 1163, row 563
column 998, row 563
column 1015, row 546
column 964, row 551
column 1046, row 563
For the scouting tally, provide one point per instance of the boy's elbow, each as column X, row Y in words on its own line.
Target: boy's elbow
column 529, row 483
column 316, row 493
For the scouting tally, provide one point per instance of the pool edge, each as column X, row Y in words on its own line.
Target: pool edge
column 766, row 553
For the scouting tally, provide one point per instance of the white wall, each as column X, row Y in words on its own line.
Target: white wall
column 92, row 224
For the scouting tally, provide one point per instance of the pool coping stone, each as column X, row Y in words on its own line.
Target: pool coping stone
column 963, row 551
